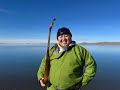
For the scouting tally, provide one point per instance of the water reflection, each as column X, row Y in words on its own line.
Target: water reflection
column 19, row 65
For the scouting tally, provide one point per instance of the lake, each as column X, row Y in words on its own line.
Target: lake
column 19, row 65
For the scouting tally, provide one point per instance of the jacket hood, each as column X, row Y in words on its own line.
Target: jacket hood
column 60, row 49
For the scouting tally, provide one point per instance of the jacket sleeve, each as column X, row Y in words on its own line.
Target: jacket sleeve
column 41, row 69
column 90, row 67
column 40, row 72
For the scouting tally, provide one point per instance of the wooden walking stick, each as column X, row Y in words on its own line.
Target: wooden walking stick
column 47, row 63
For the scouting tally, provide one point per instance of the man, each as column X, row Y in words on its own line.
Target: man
column 67, row 60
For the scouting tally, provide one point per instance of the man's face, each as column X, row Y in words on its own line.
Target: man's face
column 64, row 40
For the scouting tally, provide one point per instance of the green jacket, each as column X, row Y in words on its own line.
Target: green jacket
column 66, row 68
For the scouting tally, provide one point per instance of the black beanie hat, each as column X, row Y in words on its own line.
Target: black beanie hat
column 62, row 31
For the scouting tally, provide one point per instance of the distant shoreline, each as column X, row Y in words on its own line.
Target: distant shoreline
column 82, row 43
column 100, row 43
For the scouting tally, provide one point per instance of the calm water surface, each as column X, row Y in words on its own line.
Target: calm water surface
column 19, row 65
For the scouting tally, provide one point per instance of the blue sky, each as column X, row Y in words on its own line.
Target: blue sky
column 88, row 20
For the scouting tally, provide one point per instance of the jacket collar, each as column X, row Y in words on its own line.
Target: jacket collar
column 61, row 49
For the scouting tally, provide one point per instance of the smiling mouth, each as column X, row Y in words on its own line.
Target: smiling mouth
column 64, row 42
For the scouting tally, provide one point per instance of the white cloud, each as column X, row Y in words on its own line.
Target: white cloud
column 4, row 11
column 24, row 41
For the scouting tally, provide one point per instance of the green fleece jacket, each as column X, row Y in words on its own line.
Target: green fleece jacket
column 66, row 68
